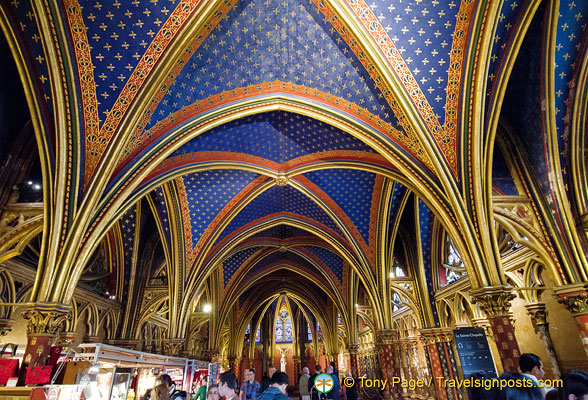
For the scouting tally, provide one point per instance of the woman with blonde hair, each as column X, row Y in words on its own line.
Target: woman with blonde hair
column 160, row 392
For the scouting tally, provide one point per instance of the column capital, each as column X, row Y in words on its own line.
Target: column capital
column 574, row 298
column 436, row 335
column 46, row 318
column 538, row 313
column 386, row 336
column 494, row 301
column 353, row 348
column 173, row 346
column 213, row 355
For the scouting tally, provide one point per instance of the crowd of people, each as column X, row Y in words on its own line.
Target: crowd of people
column 529, row 384
column 526, row 385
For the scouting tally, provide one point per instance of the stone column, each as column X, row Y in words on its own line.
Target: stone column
column 44, row 322
column 495, row 302
column 538, row 315
column 575, row 299
column 353, row 348
column 173, row 347
column 387, row 358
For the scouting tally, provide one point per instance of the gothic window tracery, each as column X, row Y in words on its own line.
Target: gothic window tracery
column 453, row 267
column 284, row 326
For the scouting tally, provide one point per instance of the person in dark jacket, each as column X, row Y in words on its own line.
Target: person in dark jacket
column 334, row 393
column 314, row 394
column 266, row 381
column 277, row 389
column 351, row 391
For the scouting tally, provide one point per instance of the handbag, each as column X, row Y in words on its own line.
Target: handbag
column 8, row 366
column 39, row 375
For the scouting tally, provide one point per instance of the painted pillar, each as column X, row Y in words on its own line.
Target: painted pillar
column 353, row 348
column 387, row 359
column 44, row 322
column 538, row 315
column 495, row 302
column 575, row 299
column 297, row 367
column 439, row 347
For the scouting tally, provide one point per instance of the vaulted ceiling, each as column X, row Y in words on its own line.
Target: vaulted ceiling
column 282, row 138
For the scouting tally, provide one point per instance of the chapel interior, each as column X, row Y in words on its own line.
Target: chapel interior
column 295, row 182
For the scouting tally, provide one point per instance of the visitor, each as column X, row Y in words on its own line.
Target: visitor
column 532, row 367
column 315, row 394
column 249, row 388
column 201, row 392
column 333, row 394
column 277, row 388
column 575, row 386
column 303, row 384
column 518, row 387
column 160, row 392
column 227, row 385
column 169, row 384
column 350, row 391
column 212, row 392
column 267, row 379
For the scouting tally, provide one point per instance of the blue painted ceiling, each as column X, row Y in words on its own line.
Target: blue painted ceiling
column 277, row 136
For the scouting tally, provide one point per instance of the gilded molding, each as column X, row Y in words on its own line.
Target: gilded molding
column 386, row 336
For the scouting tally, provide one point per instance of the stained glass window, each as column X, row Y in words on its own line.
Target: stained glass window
column 257, row 337
column 279, row 332
column 284, row 330
column 288, row 330
column 247, row 332
column 319, row 331
column 309, row 334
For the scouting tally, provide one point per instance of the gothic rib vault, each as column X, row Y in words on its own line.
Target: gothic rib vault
column 350, row 159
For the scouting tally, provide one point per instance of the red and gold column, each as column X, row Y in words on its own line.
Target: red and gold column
column 495, row 302
column 44, row 323
column 353, row 348
column 385, row 342
column 439, row 347
column 575, row 299
column 297, row 367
